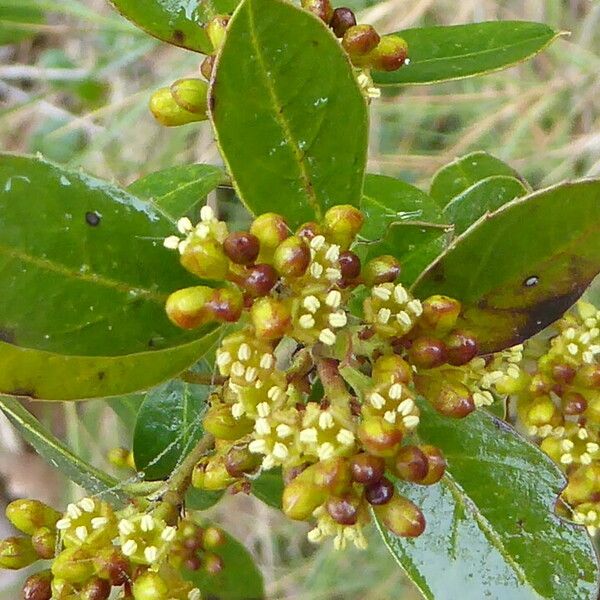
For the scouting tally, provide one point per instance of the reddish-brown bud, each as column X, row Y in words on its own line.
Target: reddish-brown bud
column 44, row 542
column 436, row 464
column 428, row 352
column 241, row 247
column 563, row 373
column 349, row 265
column 411, row 464
column 440, row 313
column 343, row 509
column 188, row 308
column 259, row 280
column 226, row 304
column 359, row 40
column 390, row 54
column 95, row 589
column 589, row 376
column 16, row 553
column 401, row 517
column 366, row 468
column 453, row 400
column 38, row 586
column 391, row 368
column 379, row 493
column 271, row 318
column 333, row 475
column 379, row 437
column 462, row 348
column 309, row 230
column 240, row 461
column 292, row 257
column 342, row 19
column 574, row 403
column 383, row 269
column 112, row 565
column 342, row 223
column 271, row 229
column 319, row 8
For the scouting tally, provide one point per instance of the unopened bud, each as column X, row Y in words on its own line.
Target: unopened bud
column 168, row 113
column 188, row 308
column 191, row 95
column 213, row 564
column 213, row 538
column 309, row 230
column 271, row 318
column 74, row 565
column 333, row 475
column 391, row 368
column 411, row 464
column 589, row 376
column 390, row 54
column 242, row 247
column 301, row 496
column 343, row 222
column 211, row 474
column 379, row 437
column 349, row 266
column 150, row 586
column 16, row 553
column 383, row 269
column 38, row 586
column 436, row 464
column 221, row 423
column 226, row 304
column 320, row 8
column 574, row 403
column 112, row 565
column 341, row 20
column 401, row 517
column 205, row 259
column 96, row 589
column 292, row 257
column 359, row 41
column 428, row 352
column 367, row 469
column 271, row 229
column 343, row 509
column 240, row 461
column 44, row 542
column 29, row 515
column 259, row 280
column 216, row 30
column 207, row 66
column 453, row 400
column 461, row 348
column 380, row 492
column 440, row 313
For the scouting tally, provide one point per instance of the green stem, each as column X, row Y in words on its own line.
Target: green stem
column 181, row 478
column 333, row 384
column 202, row 378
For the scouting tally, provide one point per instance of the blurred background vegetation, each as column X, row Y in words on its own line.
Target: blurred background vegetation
column 75, row 79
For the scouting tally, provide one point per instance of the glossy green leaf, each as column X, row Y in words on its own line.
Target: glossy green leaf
column 518, row 269
column 16, row 21
column 268, row 487
column 483, row 197
column 201, row 499
column 168, row 426
column 178, row 190
column 126, row 408
column 58, row 455
column 459, row 175
column 178, row 22
column 403, row 221
column 83, row 269
column 240, row 579
column 459, row 51
column 50, row 376
column 492, row 531
column 295, row 140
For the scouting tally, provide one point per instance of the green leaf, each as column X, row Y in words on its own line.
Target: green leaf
column 403, row 221
column 201, row 499
column 458, row 176
column 483, row 197
column 50, row 376
column 491, row 527
column 268, row 487
column 58, row 455
column 15, row 23
column 520, row 268
column 240, row 579
column 295, row 140
column 176, row 191
column 168, row 426
column 126, row 408
column 459, row 51
column 178, row 22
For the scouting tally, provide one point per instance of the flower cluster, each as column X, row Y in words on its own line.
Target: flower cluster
column 96, row 549
column 325, row 392
column 555, row 383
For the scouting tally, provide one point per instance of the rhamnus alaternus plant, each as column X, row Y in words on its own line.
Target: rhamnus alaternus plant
column 367, row 357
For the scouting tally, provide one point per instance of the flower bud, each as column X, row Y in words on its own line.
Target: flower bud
column 349, row 266
column 333, row 475
column 241, row 247
column 320, row 8
column 367, row 469
column 588, row 376
column 219, row 421
column 292, row 257
column 574, row 403
column 440, row 313
column 112, row 565
column 121, row 458
column 168, row 113
column 563, row 373
column 436, row 464
column 391, row 368
column 301, row 496
column 390, row 54
column 343, row 509
column 379, row 437
column 379, row 493
column 411, row 464
column 461, row 347
column 453, row 400
column 226, row 304
column 383, row 269
column 271, row 318
column 359, row 41
column 271, row 229
column 240, row 461
column 259, row 280
column 309, row 230
column 341, row 20
column 44, row 542
column 205, row 259
column 213, row 564
column 542, row 412
column 95, row 589
column 401, row 517
column 191, row 95
column 38, row 586
column 207, row 66
column 212, row 538
column 428, row 352
column 29, row 515
column 211, row 474
column 74, row 565
column 188, row 308
column 150, row 586
column 216, row 29
column 343, row 222
column 16, row 553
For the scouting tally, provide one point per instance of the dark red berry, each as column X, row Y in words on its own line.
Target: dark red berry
column 428, row 352
column 360, row 39
column 241, row 247
column 343, row 510
column 260, row 280
column 349, row 265
column 96, row 589
column 379, row 493
column 411, row 464
column 367, row 468
column 462, row 348
column 38, row 587
column 342, row 19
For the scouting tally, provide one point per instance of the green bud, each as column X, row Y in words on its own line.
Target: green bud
column 212, row 538
column 38, row 586
column 121, row 458
column 74, row 565
column 333, row 475
column 401, row 517
column 29, row 515
column 390, row 54
column 168, row 113
column 379, row 437
column 319, row 8
column 191, row 95
column 440, row 313
column 292, row 257
column 44, row 542
column 219, row 421
column 271, row 318
column 217, row 30
column 343, row 222
column 383, row 269
column 240, row 461
column 16, row 553
column 211, row 474
column 271, row 229
column 205, row 259
column 188, row 308
column 150, row 586
column 391, row 368
column 302, row 496
column 436, row 464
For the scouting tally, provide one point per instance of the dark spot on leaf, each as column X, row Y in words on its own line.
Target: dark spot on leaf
column 520, row 523
column 92, row 218
column 437, row 273
column 23, row 393
column 178, row 36
column 8, row 336
column 101, row 375
column 314, row 43
column 531, row 281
